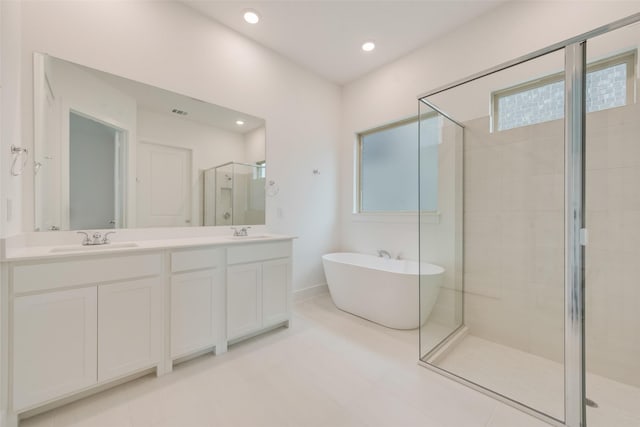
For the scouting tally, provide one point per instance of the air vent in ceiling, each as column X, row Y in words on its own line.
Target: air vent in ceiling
column 179, row 112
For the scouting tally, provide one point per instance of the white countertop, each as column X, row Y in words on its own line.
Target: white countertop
column 27, row 253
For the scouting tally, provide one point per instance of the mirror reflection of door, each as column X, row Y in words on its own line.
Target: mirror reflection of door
column 164, row 185
column 94, row 180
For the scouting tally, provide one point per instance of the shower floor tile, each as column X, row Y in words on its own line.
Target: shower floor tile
column 539, row 382
column 330, row 369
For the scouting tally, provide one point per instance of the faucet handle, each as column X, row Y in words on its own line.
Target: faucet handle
column 105, row 239
column 86, row 239
column 240, row 232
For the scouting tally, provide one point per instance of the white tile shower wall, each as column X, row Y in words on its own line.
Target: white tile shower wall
column 514, row 248
column 513, row 241
column 168, row 45
column 613, row 220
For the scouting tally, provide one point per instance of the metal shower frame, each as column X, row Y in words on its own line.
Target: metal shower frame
column 575, row 232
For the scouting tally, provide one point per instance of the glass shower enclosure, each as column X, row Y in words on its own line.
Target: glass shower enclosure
column 539, row 230
column 234, row 194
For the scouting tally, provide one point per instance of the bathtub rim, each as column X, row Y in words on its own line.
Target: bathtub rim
column 438, row 269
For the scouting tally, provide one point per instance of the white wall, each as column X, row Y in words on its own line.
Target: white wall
column 10, row 15
column 10, row 131
column 389, row 94
column 168, row 45
column 254, row 145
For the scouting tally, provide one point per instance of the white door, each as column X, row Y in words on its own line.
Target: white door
column 164, row 185
column 193, row 314
column 275, row 291
column 244, row 300
column 129, row 316
column 54, row 345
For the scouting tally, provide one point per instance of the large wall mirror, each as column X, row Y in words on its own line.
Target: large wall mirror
column 114, row 153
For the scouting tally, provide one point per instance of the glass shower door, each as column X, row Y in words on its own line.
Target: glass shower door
column 498, row 319
column 612, row 283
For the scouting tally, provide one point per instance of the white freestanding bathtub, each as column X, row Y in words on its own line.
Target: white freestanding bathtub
column 382, row 290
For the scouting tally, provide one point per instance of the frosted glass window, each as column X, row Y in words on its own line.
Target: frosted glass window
column 607, row 88
column 389, row 167
column 538, row 103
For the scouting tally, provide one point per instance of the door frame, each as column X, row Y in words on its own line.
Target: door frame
column 121, row 144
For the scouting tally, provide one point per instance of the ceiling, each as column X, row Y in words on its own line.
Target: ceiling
column 326, row 36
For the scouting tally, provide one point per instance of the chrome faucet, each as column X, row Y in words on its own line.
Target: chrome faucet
column 105, row 239
column 384, row 254
column 96, row 239
column 86, row 241
column 242, row 232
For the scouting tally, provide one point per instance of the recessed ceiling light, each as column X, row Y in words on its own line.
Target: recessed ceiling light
column 368, row 46
column 239, row 122
column 251, row 16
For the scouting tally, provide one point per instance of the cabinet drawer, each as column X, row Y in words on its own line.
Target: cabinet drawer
column 196, row 259
column 258, row 252
column 58, row 274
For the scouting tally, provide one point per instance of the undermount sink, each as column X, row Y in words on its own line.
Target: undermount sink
column 90, row 248
column 249, row 237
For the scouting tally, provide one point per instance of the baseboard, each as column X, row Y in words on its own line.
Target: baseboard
column 310, row 292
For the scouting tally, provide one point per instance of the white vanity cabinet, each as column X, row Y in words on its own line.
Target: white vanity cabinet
column 129, row 314
column 82, row 322
column 197, row 300
column 258, row 287
column 79, row 323
column 54, row 344
column 244, row 299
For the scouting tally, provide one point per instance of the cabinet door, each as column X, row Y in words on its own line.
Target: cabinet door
column 193, row 313
column 128, row 327
column 54, row 345
column 244, row 296
column 276, row 282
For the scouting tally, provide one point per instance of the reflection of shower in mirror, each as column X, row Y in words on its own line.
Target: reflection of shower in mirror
column 234, row 194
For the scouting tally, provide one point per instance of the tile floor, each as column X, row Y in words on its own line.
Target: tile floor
column 539, row 382
column 330, row 369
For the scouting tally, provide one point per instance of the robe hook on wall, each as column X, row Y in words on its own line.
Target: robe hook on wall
column 18, row 152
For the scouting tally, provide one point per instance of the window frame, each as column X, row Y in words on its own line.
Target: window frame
column 382, row 216
column 628, row 57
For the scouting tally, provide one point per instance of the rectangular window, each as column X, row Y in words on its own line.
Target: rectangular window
column 609, row 84
column 388, row 167
column 261, row 170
